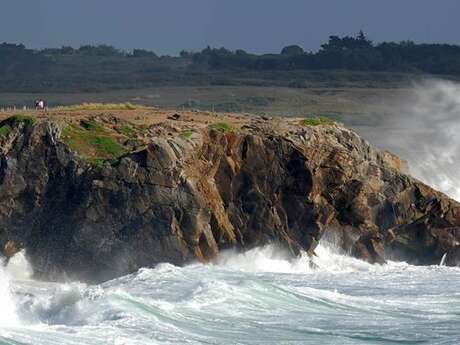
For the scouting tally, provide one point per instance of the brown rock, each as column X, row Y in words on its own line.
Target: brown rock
column 179, row 200
column 370, row 248
column 10, row 249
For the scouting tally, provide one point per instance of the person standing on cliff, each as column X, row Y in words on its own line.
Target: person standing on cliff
column 40, row 104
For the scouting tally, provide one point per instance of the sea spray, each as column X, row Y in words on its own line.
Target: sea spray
column 8, row 312
column 268, row 258
column 18, row 267
column 271, row 258
column 423, row 129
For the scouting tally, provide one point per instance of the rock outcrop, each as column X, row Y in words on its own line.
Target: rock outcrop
column 187, row 197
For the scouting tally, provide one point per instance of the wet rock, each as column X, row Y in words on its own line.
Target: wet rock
column 369, row 247
column 10, row 249
column 452, row 257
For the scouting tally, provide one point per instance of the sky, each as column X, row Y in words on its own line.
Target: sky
column 258, row 26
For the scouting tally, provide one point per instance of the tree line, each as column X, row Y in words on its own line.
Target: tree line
column 339, row 53
column 344, row 53
column 16, row 59
column 103, row 67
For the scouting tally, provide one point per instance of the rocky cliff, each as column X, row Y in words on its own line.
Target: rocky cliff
column 178, row 192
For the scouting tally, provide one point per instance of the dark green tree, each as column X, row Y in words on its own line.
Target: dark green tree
column 292, row 50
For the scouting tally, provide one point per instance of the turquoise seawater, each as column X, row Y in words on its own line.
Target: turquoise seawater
column 255, row 298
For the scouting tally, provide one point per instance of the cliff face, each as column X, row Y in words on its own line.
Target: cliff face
column 186, row 197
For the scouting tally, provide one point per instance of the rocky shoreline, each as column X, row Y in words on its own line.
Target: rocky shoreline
column 89, row 208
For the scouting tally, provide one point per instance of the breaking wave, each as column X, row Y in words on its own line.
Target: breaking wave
column 257, row 297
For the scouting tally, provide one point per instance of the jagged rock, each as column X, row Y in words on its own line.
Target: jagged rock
column 369, row 247
column 183, row 199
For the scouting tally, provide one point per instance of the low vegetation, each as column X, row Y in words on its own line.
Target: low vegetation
column 101, row 106
column 91, row 125
column 186, row 134
column 107, row 145
column 6, row 126
column 316, row 121
column 4, row 130
column 93, row 142
column 126, row 130
column 17, row 119
column 224, row 126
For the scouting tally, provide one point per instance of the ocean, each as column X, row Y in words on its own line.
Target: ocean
column 259, row 297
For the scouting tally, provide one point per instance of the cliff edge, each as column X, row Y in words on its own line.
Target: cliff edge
column 93, row 198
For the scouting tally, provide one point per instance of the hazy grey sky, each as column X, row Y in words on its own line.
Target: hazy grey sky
column 167, row 26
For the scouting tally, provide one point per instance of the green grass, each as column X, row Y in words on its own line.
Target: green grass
column 92, row 142
column 186, row 134
column 91, row 125
column 316, row 121
column 98, row 162
column 222, row 126
column 17, row 119
column 107, row 145
column 5, row 130
column 126, row 130
column 6, row 126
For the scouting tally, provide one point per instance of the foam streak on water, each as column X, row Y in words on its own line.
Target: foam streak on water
column 259, row 297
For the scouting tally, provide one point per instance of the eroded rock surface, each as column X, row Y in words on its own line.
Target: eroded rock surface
column 182, row 198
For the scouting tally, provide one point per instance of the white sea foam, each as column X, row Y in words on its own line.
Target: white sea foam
column 256, row 297
column 424, row 129
column 8, row 312
column 18, row 267
column 270, row 258
column 264, row 259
